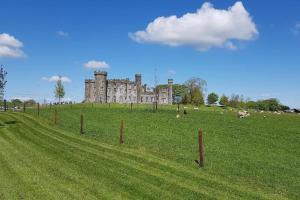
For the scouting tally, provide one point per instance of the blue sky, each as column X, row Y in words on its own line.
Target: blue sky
column 59, row 37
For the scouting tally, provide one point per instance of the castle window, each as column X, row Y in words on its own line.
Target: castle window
column 115, row 89
column 114, row 99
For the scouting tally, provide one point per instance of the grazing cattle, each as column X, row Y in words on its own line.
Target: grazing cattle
column 177, row 116
column 243, row 114
column 196, row 108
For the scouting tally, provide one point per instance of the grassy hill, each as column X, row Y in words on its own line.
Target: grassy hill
column 253, row 158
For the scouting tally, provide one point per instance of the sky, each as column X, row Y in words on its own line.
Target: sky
column 251, row 48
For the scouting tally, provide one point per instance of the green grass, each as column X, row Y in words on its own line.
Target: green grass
column 253, row 158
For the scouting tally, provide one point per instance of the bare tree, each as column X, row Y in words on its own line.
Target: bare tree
column 3, row 82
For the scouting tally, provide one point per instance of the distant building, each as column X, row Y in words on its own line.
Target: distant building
column 103, row 90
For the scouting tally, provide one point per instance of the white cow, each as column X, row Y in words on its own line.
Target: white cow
column 243, row 114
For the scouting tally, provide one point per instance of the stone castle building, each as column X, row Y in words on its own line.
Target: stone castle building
column 103, row 90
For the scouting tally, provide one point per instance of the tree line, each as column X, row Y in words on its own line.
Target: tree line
column 192, row 92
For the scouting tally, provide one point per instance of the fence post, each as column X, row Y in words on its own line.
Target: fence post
column 156, row 105
column 131, row 107
column 4, row 105
column 38, row 105
column 108, row 105
column 121, row 132
column 81, row 124
column 55, row 116
column 201, row 149
column 24, row 106
column 14, row 107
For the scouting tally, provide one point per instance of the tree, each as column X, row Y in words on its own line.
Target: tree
column 224, row 100
column 186, row 99
column 16, row 102
column 59, row 89
column 195, row 82
column 195, row 88
column 212, row 98
column 197, row 97
column 3, row 82
column 30, row 102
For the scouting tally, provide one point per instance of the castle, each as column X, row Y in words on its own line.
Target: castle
column 103, row 90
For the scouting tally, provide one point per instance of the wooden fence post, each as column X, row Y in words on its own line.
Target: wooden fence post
column 14, row 107
column 121, row 132
column 156, row 105
column 81, row 124
column 38, row 106
column 131, row 107
column 55, row 116
column 5, row 106
column 201, row 149
column 24, row 106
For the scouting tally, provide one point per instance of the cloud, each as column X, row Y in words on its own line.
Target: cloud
column 56, row 78
column 94, row 64
column 10, row 46
column 202, row 30
column 171, row 73
column 62, row 33
column 296, row 29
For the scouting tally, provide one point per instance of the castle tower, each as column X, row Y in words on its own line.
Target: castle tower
column 100, row 86
column 138, row 83
column 170, row 91
column 89, row 90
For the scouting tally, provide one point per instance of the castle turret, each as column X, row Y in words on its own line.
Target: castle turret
column 138, row 83
column 100, row 86
column 89, row 90
column 170, row 91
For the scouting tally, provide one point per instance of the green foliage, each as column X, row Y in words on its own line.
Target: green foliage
column 16, row 102
column 197, row 97
column 224, row 100
column 195, row 82
column 186, row 99
column 30, row 102
column 59, row 90
column 212, row 98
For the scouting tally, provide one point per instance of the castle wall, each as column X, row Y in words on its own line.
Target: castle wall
column 163, row 96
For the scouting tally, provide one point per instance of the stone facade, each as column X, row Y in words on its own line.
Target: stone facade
column 103, row 90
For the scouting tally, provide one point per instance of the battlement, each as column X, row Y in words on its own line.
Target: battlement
column 89, row 81
column 104, row 73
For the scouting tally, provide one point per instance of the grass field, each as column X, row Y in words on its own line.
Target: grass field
column 253, row 158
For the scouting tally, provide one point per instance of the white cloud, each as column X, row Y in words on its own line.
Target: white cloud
column 10, row 46
column 171, row 73
column 296, row 29
column 62, row 33
column 55, row 78
column 204, row 29
column 94, row 64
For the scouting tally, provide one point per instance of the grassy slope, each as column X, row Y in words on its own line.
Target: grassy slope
column 252, row 158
